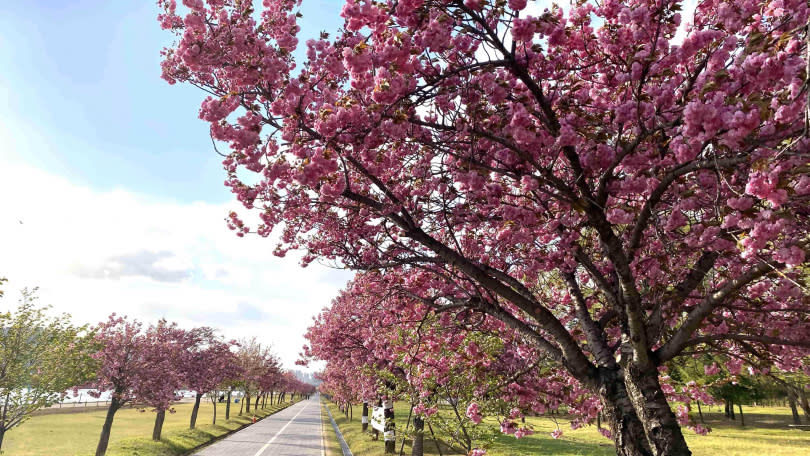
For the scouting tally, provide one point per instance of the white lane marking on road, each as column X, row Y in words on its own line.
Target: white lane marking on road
column 323, row 436
column 261, row 450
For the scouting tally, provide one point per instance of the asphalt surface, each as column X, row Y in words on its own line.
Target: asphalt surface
column 294, row 431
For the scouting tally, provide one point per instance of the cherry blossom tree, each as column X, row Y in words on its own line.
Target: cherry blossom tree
column 120, row 368
column 619, row 197
column 165, row 353
column 376, row 343
column 139, row 366
column 270, row 378
column 253, row 361
column 210, row 361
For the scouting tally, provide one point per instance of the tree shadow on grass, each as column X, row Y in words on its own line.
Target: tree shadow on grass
column 545, row 444
column 753, row 419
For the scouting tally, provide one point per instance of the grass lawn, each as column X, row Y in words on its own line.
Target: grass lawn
column 766, row 432
column 76, row 434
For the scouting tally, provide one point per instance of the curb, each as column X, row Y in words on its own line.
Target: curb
column 343, row 445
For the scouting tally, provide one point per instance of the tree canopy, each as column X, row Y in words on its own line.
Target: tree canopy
column 616, row 195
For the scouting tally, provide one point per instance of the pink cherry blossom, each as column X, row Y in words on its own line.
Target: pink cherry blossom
column 599, row 188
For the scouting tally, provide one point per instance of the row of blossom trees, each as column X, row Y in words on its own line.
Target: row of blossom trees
column 147, row 366
column 616, row 192
column 378, row 344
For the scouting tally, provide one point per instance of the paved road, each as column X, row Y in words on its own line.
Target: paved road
column 294, row 431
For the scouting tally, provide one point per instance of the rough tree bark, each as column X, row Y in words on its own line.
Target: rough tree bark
column 660, row 424
column 625, row 426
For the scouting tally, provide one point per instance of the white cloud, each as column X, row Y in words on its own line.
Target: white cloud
column 688, row 8
column 93, row 253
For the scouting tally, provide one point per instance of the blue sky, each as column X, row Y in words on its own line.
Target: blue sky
column 111, row 197
column 82, row 80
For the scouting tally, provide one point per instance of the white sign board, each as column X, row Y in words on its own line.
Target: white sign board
column 378, row 418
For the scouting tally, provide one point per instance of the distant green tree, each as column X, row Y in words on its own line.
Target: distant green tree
column 40, row 358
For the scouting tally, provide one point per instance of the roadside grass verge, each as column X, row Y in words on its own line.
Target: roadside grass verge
column 766, row 432
column 331, row 444
column 363, row 443
column 76, row 434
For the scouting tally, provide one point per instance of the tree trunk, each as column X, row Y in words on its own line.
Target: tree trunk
column 2, row 433
column 435, row 440
column 158, row 429
column 728, row 414
column 256, row 404
column 731, row 410
column 247, row 402
column 104, row 440
column 228, row 407
column 390, row 428
column 792, row 399
column 700, row 412
column 364, row 418
column 194, row 411
column 742, row 417
column 215, row 412
column 418, row 447
column 625, row 427
column 803, row 396
column 641, row 420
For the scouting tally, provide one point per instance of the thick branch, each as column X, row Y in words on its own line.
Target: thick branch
column 695, row 318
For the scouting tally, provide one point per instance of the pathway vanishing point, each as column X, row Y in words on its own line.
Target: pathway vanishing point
column 294, row 431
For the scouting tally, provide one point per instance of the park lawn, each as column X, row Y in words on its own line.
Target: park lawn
column 76, row 434
column 766, row 432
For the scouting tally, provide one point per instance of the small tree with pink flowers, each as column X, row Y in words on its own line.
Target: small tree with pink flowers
column 121, row 367
column 165, row 352
column 209, row 362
